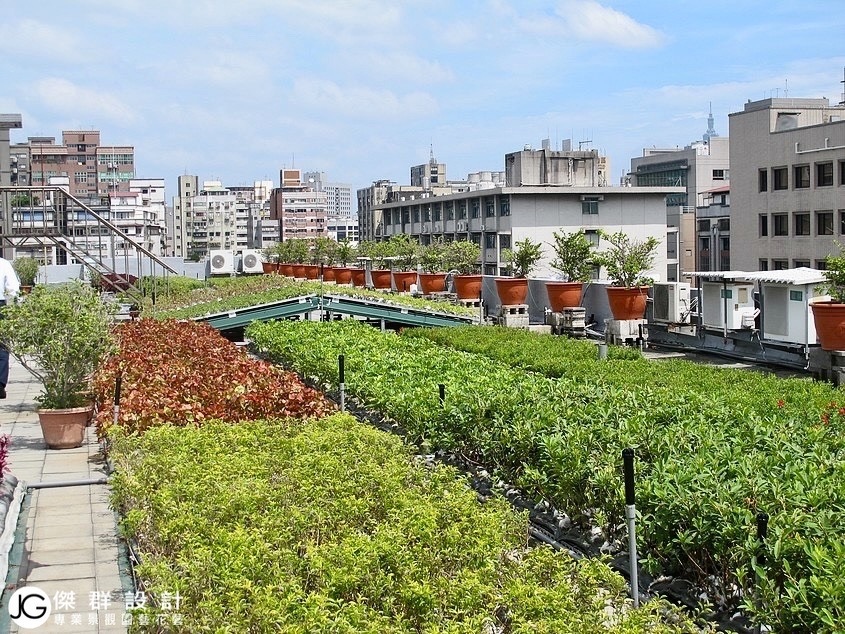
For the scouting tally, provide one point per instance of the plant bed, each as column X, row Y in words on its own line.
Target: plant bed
column 714, row 448
column 280, row 537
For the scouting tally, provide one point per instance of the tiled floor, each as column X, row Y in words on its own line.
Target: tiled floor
column 66, row 541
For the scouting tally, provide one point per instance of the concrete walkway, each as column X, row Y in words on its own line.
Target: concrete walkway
column 66, row 540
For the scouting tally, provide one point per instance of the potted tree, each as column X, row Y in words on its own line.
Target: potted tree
column 344, row 252
column 27, row 270
column 405, row 256
column 627, row 261
column 60, row 334
column 462, row 258
column 521, row 261
column 574, row 260
column 284, row 258
column 380, row 254
column 829, row 315
column 430, row 256
column 324, row 252
column 270, row 260
column 298, row 254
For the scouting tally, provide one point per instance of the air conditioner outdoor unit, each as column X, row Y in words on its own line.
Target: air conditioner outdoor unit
column 671, row 302
column 251, row 262
column 221, row 262
column 462, row 225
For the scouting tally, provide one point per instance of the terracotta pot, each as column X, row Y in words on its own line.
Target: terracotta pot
column 312, row 271
column 64, row 428
column 381, row 278
column 286, row 269
column 829, row 318
column 359, row 277
column 402, row 280
column 564, row 295
column 627, row 302
column 269, row 267
column 343, row 275
column 26, row 289
column 468, row 286
column 432, row 283
column 329, row 273
column 512, row 290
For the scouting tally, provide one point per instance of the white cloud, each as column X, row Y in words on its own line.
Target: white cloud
column 589, row 20
column 33, row 39
column 72, row 100
column 359, row 102
column 405, row 66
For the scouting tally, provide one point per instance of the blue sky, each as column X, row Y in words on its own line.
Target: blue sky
column 361, row 89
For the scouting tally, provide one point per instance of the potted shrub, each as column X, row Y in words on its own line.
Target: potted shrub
column 463, row 259
column 380, row 254
column 284, row 257
column 405, row 257
column 430, row 256
column 324, row 256
column 298, row 254
column 574, row 260
column 27, row 270
column 626, row 262
column 344, row 253
column 270, row 260
column 521, row 261
column 60, row 334
column 829, row 315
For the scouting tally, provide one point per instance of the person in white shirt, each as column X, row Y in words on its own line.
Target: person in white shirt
column 10, row 286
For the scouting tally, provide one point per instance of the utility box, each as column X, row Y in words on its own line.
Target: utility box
column 671, row 302
column 785, row 297
column 728, row 305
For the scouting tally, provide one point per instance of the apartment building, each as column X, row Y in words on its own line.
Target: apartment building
column 93, row 170
column 299, row 210
column 788, row 194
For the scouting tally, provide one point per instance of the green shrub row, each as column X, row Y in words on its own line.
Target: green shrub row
column 714, row 448
column 331, row 526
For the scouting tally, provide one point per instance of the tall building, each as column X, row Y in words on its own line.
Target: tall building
column 93, row 170
column 428, row 175
column 698, row 168
column 788, row 193
column 299, row 210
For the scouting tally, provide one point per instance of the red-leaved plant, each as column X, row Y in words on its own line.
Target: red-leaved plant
column 184, row 373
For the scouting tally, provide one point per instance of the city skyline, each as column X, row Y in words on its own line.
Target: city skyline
column 364, row 90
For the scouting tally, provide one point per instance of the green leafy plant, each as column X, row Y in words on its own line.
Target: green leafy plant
column 324, row 251
column 404, row 249
column 27, row 270
column 431, row 256
column 345, row 252
column 462, row 256
column 627, row 259
column 573, row 255
column 522, row 260
column 60, row 333
column 298, row 250
column 835, row 274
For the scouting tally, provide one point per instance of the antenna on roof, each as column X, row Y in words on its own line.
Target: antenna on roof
column 842, row 103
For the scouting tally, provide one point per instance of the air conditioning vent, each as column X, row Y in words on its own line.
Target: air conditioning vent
column 251, row 262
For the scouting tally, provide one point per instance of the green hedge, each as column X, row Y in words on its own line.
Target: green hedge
column 331, row 526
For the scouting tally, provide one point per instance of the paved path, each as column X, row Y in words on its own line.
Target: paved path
column 66, row 542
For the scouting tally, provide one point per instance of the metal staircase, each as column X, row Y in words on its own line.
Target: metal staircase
column 67, row 230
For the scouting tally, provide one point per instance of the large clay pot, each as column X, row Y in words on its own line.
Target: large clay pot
column 298, row 271
column 269, row 267
column 381, row 278
column 627, row 302
column 432, row 283
column 64, row 428
column 402, row 280
column 512, row 291
column 829, row 318
column 312, row 271
column 468, row 286
column 329, row 273
column 343, row 275
column 359, row 277
column 286, row 269
column 564, row 295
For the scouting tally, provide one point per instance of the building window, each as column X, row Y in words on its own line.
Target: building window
column 438, row 213
column 780, row 265
column 504, row 242
column 798, row 264
column 801, row 174
column 781, row 224
column 724, row 224
column 824, row 223
column 450, row 210
column 842, row 172
column 462, row 210
column 763, row 265
column 590, row 205
column 490, row 240
column 780, row 178
column 475, row 209
column 763, row 181
column 842, row 222
column 718, row 175
column 416, row 214
column 489, row 209
column 821, row 265
column 504, row 207
column 824, row 174
column 802, row 223
column 764, row 225
column 593, row 236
